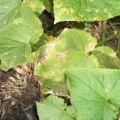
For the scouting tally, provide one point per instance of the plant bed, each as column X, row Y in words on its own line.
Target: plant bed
column 59, row 60
column 18, row 92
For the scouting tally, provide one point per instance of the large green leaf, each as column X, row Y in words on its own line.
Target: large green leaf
column 20, row 30
column 17, row 37
column 54, row 108
column 53, row 68
column 8, row 10
column 69, row 51
column 85, row 10
column 95, row 93
column 14, row 45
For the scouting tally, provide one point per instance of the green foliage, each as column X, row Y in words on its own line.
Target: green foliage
column 94, row 96
column 106, row 50
column 35, row 5
column 71, row 50
column 72, row 65
column 54, row 108
column 95, row 92
column 48, row 5
column 76, row 40
column 85, row 10
column 68, row 51
column 8, row 10
column 20, row 31
column 107, row 57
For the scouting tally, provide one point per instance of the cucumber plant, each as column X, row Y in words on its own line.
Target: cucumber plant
column 94, row 96
column 74, row 65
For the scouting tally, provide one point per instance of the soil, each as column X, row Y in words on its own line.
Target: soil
column 20, row 88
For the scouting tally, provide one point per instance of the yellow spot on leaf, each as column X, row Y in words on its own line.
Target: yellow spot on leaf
column 33, row 6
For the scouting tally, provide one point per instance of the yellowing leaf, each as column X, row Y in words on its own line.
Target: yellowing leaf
column 85, row 10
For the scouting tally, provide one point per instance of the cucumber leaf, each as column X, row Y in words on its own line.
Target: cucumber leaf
column 17, row 37
column 54, row 108
column 95, row 93
column 85, row 10
column 20, row 30
column 68, row 51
